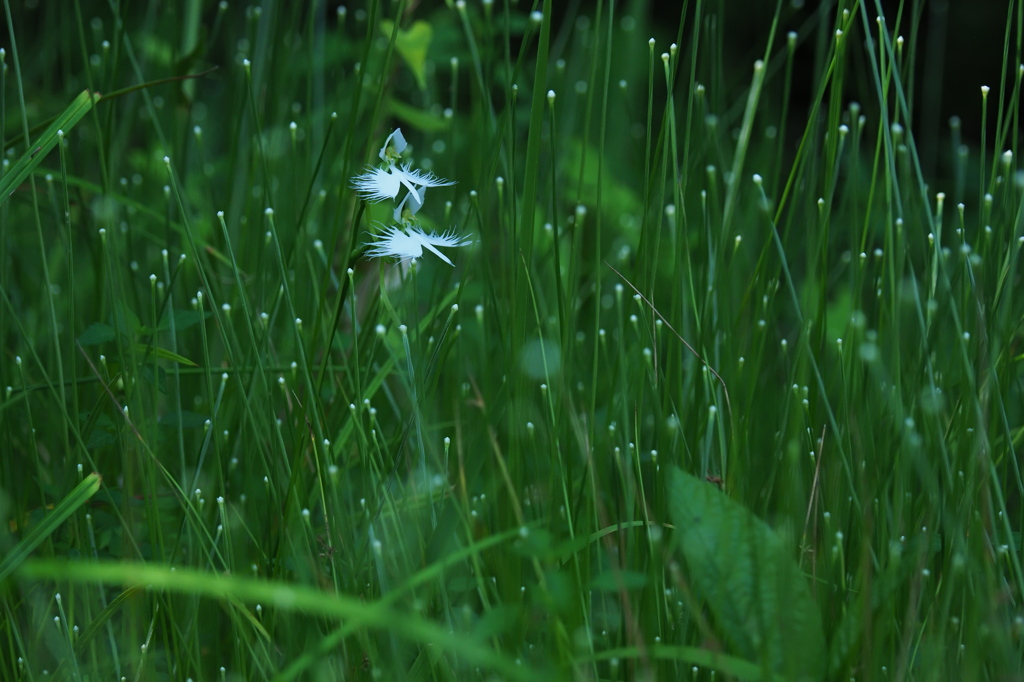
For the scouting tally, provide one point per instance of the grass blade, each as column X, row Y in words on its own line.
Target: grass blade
column 44, row 143
column 75, row 499
column 283, row 596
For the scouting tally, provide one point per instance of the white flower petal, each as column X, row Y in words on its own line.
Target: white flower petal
column 446, row 239
column 396, row 244
column 414, row 206
column 420, row 236
column 400, row 144
column 408, row 244
column 378, row 184
column 422, row 179
column 430, row 241
column 413, row 190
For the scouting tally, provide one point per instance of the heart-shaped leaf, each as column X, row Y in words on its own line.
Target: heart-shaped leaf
column 412, row 44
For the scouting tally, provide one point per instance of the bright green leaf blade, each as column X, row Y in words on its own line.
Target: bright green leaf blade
column 419, row 119
column 285, row 597
column 425, row 576
column 35, row 536
column 693, row 656
column 412, row 44
column 163, row 354
column 100, row 620
column 253, row 622
column 745, row 572
column 44, row 143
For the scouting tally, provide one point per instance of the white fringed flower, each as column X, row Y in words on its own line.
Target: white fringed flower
column 378, row 184
column 404, row 240
column 385, row 182
column 407, row 243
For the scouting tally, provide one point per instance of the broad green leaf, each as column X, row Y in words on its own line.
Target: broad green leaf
column 747, row 575
column 97, row 333
column 44, row 143
column 412, row 44
column 99, row 438
column 124, row 319
column 38, row 533
column 582, row 169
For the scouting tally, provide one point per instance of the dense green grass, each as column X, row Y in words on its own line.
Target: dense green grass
column 321, row 466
